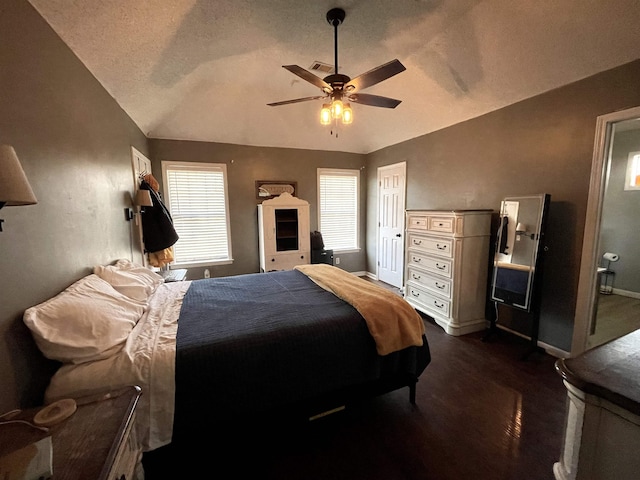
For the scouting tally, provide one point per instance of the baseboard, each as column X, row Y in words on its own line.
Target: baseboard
column 626, row 293
column 550, row 349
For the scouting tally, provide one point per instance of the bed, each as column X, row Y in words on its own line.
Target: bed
column 206, row 351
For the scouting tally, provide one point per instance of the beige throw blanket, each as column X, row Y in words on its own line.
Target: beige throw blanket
column 392, row 322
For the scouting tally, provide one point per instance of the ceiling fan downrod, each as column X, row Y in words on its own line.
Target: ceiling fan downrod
column 335, row 17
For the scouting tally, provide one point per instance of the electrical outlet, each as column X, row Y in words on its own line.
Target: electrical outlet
column 337, row 260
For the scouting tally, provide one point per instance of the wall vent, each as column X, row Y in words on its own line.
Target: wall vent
column 322, row 67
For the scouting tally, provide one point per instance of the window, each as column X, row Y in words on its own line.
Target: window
column 632, row 180
column 198, row 201
column 338, row 195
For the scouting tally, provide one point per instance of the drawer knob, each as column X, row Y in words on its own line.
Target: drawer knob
column 417, row 260
column 441, row 287
column 415, row 294
column 441, row 267
column 416, row 277
column 438, row 305
column 441, row 247
column 417, row 242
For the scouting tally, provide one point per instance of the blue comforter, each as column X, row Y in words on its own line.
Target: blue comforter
column 252, row 343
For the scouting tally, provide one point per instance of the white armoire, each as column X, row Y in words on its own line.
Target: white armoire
column 284, row 235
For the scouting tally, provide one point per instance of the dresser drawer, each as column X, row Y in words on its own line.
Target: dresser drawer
column 417, row 221
column 441, row 224
column 437, row 246
column 426, row 300
column 431, row 223
column 286, row 261
column 432, row 264
column 441, row 286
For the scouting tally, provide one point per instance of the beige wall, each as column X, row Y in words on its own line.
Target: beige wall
column 247, row 164
column 74, row 143
column 541, row 145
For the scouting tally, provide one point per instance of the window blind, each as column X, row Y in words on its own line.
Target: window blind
column 197, row 200
column 338, row 208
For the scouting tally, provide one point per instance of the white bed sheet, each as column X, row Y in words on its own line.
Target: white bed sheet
column 147, row 360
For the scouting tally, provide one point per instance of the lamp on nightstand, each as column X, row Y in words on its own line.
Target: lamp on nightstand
column 14, row 186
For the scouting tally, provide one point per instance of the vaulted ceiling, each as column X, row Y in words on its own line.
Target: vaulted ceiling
column 205, row 70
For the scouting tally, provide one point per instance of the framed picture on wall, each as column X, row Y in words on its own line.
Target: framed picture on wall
column 266, row 189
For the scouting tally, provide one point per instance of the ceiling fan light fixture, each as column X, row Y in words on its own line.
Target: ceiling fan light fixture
column 336, row 108
column 337, row 87
column 347, row 114
column 325, row 114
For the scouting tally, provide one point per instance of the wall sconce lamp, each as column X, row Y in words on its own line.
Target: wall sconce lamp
column 14, row 186
column 521, row 229
column 141, row 200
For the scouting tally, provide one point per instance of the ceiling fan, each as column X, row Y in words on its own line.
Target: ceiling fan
column 340, row 89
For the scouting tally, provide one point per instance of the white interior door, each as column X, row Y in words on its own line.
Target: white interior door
column 391, row 206
column 139, row 165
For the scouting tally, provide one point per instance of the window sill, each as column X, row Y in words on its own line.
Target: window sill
column 207, row 263
column 346, row 250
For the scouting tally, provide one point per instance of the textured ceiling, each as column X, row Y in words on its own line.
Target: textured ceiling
column 205, row 70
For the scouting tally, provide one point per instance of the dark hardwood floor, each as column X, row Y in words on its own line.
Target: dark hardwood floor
column 481, row 413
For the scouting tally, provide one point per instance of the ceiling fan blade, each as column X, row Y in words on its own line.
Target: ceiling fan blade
column 376, row 75
column 296, row 100
column 374, row 100
column 308, row 76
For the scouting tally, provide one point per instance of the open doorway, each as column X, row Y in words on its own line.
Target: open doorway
column 608, row 302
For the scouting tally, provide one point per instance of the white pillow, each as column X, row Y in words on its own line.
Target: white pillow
column 88, row 321
column 134, row 281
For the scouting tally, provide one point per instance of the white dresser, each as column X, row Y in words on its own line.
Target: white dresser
column 447, row 260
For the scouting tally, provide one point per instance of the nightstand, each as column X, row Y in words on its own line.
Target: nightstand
column 177, row 275
column 98, row 441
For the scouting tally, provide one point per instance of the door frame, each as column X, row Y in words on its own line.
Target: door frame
column 587, row 283
column 403, row 208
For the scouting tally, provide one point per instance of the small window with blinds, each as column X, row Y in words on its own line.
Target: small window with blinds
column 338, row 195
column 632, row 179
column 196, row 196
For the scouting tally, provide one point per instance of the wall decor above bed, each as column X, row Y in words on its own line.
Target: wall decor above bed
column 267, row 189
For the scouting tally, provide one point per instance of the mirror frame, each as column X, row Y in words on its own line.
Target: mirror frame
column 535, row 263
column 587, row 283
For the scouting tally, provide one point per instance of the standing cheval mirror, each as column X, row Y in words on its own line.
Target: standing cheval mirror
column 518, row 251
